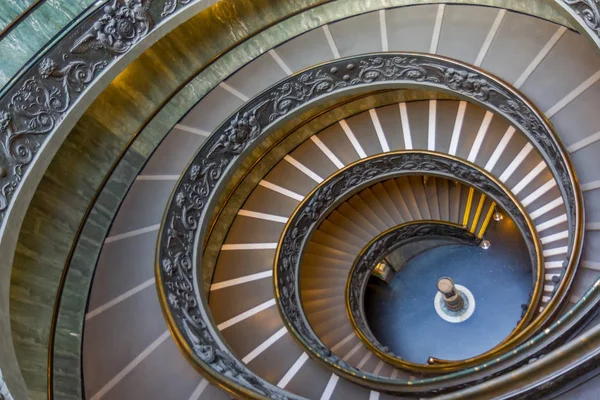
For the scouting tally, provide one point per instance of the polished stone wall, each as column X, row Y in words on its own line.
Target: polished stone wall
column 34, row 31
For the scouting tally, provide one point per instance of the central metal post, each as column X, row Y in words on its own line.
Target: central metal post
column 451, row 297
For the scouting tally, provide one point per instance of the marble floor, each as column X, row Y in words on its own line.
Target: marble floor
column 402, row 315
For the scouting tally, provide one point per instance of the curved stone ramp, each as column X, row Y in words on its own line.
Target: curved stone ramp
column 244, row 268
column 539, row 54
column 333, row 248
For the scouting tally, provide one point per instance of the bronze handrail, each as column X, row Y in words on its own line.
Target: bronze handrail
column 378, row 249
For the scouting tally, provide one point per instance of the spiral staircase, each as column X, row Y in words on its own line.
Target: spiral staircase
column 196, row 195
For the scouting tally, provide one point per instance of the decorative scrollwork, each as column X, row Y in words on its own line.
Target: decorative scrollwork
column 200, row 184
column 4, row 393
column 228, row 366
column 309, row 85
column 123, row 24
column 376, row 250
column 171, row 6
column 589, row 11
column 35, row 110
column 177, row 265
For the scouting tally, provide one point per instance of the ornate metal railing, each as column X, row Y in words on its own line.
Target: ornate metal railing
column 186, row 218
column 338, row 188
column 194, row 223
column 376, row 250
column 4, row 393
column 36, row 102
column 40, row 100
column 586, row 15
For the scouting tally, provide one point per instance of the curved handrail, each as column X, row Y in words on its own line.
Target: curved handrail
column 374, row 252
column 185, row 220
column 585, row 14
column 551, row 367
column 336, row 189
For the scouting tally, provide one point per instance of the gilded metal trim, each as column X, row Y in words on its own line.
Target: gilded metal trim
column 25, row 13
column 35, row 103
column 477, row 213
column 468, row 207
column 581, row 18
column 551, row 368
column 487, row 220
column 370, row 255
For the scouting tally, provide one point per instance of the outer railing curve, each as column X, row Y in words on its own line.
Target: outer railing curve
column 185, row 220
column 336, row 189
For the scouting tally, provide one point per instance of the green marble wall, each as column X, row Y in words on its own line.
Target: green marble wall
column 11, row 9
column 97, row 142
column 34, row 31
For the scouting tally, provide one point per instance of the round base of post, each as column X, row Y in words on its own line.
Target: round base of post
column 459, row 315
